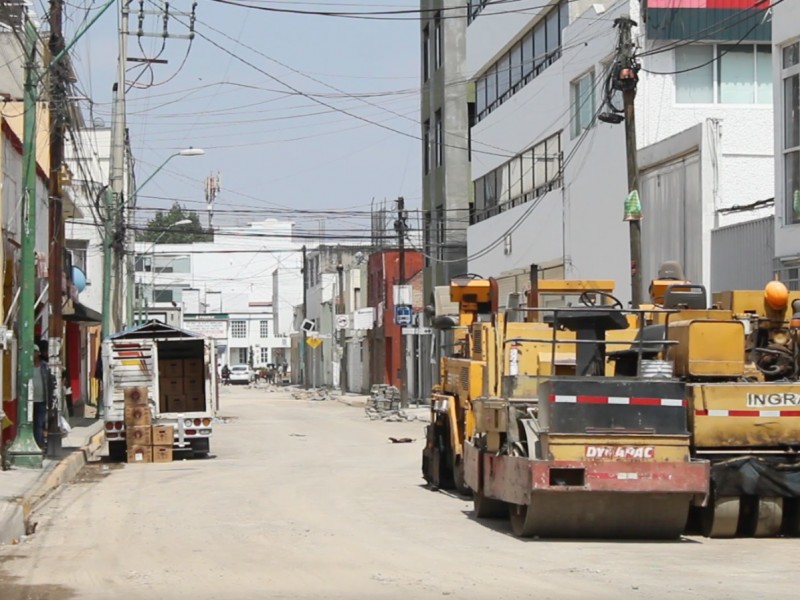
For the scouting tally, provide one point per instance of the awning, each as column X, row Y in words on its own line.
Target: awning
column 83, row 314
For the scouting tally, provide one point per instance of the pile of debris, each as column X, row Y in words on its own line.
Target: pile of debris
column 384, row 404
column 315, row 394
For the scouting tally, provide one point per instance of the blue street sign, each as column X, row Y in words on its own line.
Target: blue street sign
column 403, row 314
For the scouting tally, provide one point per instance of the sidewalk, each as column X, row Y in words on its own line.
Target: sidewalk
column 22, row 490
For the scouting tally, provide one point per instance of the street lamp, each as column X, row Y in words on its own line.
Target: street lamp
column 152, row 252
column 130, row 267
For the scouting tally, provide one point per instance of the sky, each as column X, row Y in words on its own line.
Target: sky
column 233, row 91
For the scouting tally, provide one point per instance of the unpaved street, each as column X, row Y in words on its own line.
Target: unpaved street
column 310, row 500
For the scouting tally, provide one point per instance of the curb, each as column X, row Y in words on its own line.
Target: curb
column 64, row 472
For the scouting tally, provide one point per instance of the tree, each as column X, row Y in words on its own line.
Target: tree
column 160, row 228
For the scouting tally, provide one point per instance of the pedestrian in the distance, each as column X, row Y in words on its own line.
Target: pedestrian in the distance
column 42, row 392
column 226, row 375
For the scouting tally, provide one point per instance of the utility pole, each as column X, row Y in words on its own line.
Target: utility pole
column 113, row 195
column 25, row 452
column 400, row 225
column 340, row 310
column 303, row 349
column 624, row 78
column 58, row 119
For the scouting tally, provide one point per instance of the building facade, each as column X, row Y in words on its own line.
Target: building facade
column 553, row 189
column 444, row 116
column 786, row 65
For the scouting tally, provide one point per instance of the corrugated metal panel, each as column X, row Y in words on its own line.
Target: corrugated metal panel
column 671, row 228
column 734, row 24
column 742, row 255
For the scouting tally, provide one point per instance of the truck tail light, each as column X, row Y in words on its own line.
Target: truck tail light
column 197, row 422
column 191, row 432
column 206, row 422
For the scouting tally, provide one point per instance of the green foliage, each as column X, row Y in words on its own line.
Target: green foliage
column 160, row 228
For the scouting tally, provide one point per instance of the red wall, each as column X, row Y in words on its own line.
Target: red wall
column 383, row 274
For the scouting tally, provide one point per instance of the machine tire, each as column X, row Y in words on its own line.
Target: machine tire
column 488, row 508
column 117, row 451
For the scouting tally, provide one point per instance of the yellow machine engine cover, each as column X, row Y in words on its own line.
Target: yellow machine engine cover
column 752, row 301
column 664, row 448
column 707, row 348
column 491, row 415
column 744, row 415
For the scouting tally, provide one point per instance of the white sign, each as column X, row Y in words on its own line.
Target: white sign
column 402, row 295
column 417, row 331
column 211, row 328
column 342, row 321
column 364, row 318
column 780, row 399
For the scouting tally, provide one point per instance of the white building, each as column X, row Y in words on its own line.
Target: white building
column 550, row 179
column 227, row 288
column 786, row 61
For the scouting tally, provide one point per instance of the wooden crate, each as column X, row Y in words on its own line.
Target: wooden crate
column 163, row 435
column 162, row 454
column 140, row 454
column 141, row 435
column 138, row 416
column 136, row 396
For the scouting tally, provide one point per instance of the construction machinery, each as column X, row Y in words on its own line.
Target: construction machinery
column 482, row 364
column 679, row 417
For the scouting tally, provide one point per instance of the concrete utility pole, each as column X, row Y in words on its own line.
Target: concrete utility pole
column 58, row 120
column 25, row 452
column 303, row 349
column 400, row 225
column 626, row 80
column 340, row 310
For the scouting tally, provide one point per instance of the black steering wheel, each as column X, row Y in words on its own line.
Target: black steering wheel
column 587, row 300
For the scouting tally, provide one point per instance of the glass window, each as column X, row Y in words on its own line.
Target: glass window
column 763, row 74
column 553, row 155
column 791, row 107
column 514, row 178
column 239, row 329
column 516, row 65
column 426, row 146
column 694, row 83
column 160, row 295
column 791, row 55
column 563, row 17
column 480, row 95
column 582, row 103
column 264, row 355
column 553, row 31
column 792, row 171
column 539, row 43
column 736, row 75
column 502, row 184
column 426, row 56
column 439, row 138
column 527, row 54
column 539, row 165
column 480, row 198
column 491, row 87
column 503, row 75
column 263, row 329
column 438, row 50
column 527, row 172
column 490, row 189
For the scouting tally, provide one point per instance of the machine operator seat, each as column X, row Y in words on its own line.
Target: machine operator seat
column 590, row 325
column 685, row 295
column 649, row 339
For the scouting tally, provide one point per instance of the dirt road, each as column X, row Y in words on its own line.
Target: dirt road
column 310, row 500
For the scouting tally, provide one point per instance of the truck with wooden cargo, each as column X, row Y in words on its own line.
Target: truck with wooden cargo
column 177, row 369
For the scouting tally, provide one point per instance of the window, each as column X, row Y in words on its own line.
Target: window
column 582, row 103
column 426, row 146
column 263, row 329
column 78, row 249
column 529, row 175
column 241, row 356
column 438, row 41
column 162, row 296
column 791, row 131
column 426, row 54
column 264, row 355
column 538, row 49
column 724, row 74
column 239, row 329
column 438, row 138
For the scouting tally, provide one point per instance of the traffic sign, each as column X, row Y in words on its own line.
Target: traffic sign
column 403, row 314
column 313, row 341
column 342, row 321
column 417, row 330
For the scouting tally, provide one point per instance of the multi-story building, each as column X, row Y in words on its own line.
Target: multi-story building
column 446, row 186
column 232, row 279
column 786, row 63
column 553, row 187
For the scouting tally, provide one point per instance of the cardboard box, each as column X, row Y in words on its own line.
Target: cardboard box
column 140, row 454
column 195, row 402
column 163, row 435
column 136, row 416
column 170, row 386
column 162, row 454
column 169, row 367
column 194, row 368
column 193, row 385
column 139, row 436
column 173, row 403
column 136, row 396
